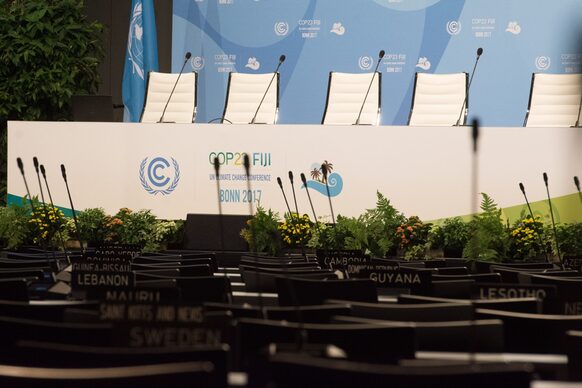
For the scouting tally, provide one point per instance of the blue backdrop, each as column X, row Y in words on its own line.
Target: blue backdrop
column 438, row 36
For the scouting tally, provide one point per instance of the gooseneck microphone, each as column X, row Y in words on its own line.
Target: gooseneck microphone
column 186, row 57
column 21, row 168
column 522, row 188
column 48, row 190
column 247, row 165
column 281, row 60
column 284, row 196
column 577, row 183
column 577, row 124
column 217, row 177
column 296, row 211
column 64, row 174
column 479, row 52
column 36, row 168
column 309, row 198
column 380, row 56
column 553, row 222
column 324, row 171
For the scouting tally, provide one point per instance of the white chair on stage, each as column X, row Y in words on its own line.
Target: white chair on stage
column 554, row 100
column 437, row 99
column 182, row 105
column 244, row 94
column 345, row 97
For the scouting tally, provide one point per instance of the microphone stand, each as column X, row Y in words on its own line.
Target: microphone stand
column 380, row 56
column 64, row 173
column 522, row 188
column 545, row 176
column 281, row 60
column 577, row 183
column 458, row 123
column 577, row 124
column 62, row 241
column 188, row 55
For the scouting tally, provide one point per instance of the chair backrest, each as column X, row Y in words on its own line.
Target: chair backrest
column 426, row 312
column 345, row 96
column 554, row 100
column 437, row 99
column 574, row 351
column 312, row 292
column 182, row 105
column 244, row 94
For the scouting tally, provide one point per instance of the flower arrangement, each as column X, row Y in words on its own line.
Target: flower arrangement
column 412, row 232
column 45, row 223
column 527, row 238
column 295, row 230
column 262, row 233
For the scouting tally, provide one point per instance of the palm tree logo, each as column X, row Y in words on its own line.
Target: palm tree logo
column 328, row 166
column 315, row 174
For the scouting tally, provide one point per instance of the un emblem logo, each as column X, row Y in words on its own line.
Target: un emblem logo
column 155, row 173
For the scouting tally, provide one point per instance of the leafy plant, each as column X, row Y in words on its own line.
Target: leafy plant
column 46, row 223
column 14, row 225
column 488, row 235
column 49, row 51
column 381, row 223
column 451, row 236
column 570, row 238
column 134, row 228
column 262, row 233
column 93, row 225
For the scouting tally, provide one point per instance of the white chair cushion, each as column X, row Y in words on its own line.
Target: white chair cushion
column 438, row 99
column 555, row 100
column 244, row 95
column 346, row 96
column 182, row 105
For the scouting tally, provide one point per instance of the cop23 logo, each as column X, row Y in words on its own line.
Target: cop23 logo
column 154, row 173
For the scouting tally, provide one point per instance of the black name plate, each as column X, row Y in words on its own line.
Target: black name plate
column 510, row 291
column 85, row 279
column 135, row 295
column 340, row 259
column 389, row 277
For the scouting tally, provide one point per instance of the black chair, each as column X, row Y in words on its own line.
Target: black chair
column 294, row 370
column 429, row 312
column 183, row 374
column 265, row 280
column 533, row 333
column 15, row 288
column 574, row 351
column 449, row 289
column 48, row 312
column 484, row 336
column 293, row 291
column 522, row 305
column 478, row 277
column 378, row 343
column 569, row 293
column 306, row 314
column 205, row 289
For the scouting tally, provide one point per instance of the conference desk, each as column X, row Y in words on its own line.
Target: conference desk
column 168, row 168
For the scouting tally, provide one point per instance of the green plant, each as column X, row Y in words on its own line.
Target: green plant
column 455, row 236
column 412, row 232
column 134, row 227
column 49, row 51
column 46, row 223
column 488, row 237
column 14, row 225
column 93, row 225
column 570, row 238
column 295, row 230
column 381, row 222
column 262, row 233
column 528, row 238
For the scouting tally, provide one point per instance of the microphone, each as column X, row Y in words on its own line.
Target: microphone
column 577, row 183
column 522, row 188
column 324, row 171
column 380, row 56
column 64, row 173
column 35, row 162
column 284, row 196
column 479, row 52
column 474, row 180
column 553, row 222
column 281, row 60
column 577, row 124
column 21, row 168
column 247, row 165
column 309, row 197
column 186, row 57
column 296, row 211
column 48, row 190
column 220, row 216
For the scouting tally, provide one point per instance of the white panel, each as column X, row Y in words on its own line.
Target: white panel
column 424, row 171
